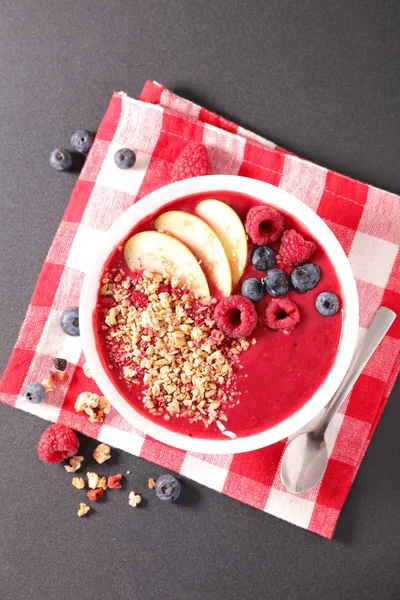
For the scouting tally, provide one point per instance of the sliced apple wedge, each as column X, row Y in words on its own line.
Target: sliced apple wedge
column 202, row 241
column 229, row 228
column 166, row 255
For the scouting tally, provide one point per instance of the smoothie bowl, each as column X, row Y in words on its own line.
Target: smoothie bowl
column 220, row 315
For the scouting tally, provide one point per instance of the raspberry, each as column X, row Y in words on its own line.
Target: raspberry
column 294, row 249
column 192, row 162
column 95, row 495
column 235, row 316
column 281, row 313
column 57, row 443
column 138, row 299
column 264, row 225
column 114, row 482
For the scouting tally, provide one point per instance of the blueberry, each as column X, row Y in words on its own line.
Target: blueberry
column 276, row 283
column 168, row 488
column 60, row 364
column 253, row 289
column 305, row 277
column 35, row 393
column 125, row 158
column 327, row 304
column 82, row 141
column 262, row 258
column 61, row 159
column 70, row 321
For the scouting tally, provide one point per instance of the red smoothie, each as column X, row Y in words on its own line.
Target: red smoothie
column 275, row 376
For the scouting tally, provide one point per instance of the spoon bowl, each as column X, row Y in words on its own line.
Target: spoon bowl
column 305, row 461
column 306, row 456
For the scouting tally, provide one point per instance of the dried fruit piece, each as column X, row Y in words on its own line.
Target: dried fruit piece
column 114, row 482
column 57, row 443
column 95, row 495
column 101, row 453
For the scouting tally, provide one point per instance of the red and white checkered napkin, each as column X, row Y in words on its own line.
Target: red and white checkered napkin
column 362, row 217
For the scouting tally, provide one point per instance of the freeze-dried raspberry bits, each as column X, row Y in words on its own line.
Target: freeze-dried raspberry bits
column 294, row 249
column 281, row 314
column 235, row 316
column 57, row 443
column 264, row 225
column 114, row 482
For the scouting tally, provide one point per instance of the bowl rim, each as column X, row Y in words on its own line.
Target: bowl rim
column 273, row 196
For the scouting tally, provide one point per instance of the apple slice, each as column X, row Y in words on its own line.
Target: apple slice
column 202, row 241
column 229, row 228
column 166, row 255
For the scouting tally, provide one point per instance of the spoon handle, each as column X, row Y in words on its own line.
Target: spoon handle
column 379, row 326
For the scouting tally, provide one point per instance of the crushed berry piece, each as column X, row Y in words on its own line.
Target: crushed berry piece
column 114, row 482
column 95, row 495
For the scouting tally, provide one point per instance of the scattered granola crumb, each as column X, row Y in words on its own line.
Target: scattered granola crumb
column 95, row 495
column 78, row 482
column 128, row 472
column 102, row 483
column 151, row 483
column 134, row 499
column 53, row 378
column 93, row 405
column 93, row 480
column 83, row 509
column 74, row 464
column 101, row 453
column 114, row 482
column 87, row 370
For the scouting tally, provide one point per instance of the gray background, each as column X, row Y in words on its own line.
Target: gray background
column 319, row 77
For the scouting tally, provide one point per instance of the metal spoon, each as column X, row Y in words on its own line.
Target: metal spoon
column 306, row 457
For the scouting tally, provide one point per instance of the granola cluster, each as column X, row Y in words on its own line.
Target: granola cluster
column 161, row 337
column 93, row 405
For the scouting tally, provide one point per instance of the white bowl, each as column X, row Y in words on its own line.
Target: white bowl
column 263, row 192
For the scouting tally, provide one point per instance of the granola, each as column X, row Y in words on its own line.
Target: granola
column 93, row 405
column 83, row 509
column 101, row 453
column 74, row 464
column 93, row 480
column 170, row 345
column 134, row 499
column 78, row 482
column 87, row 370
